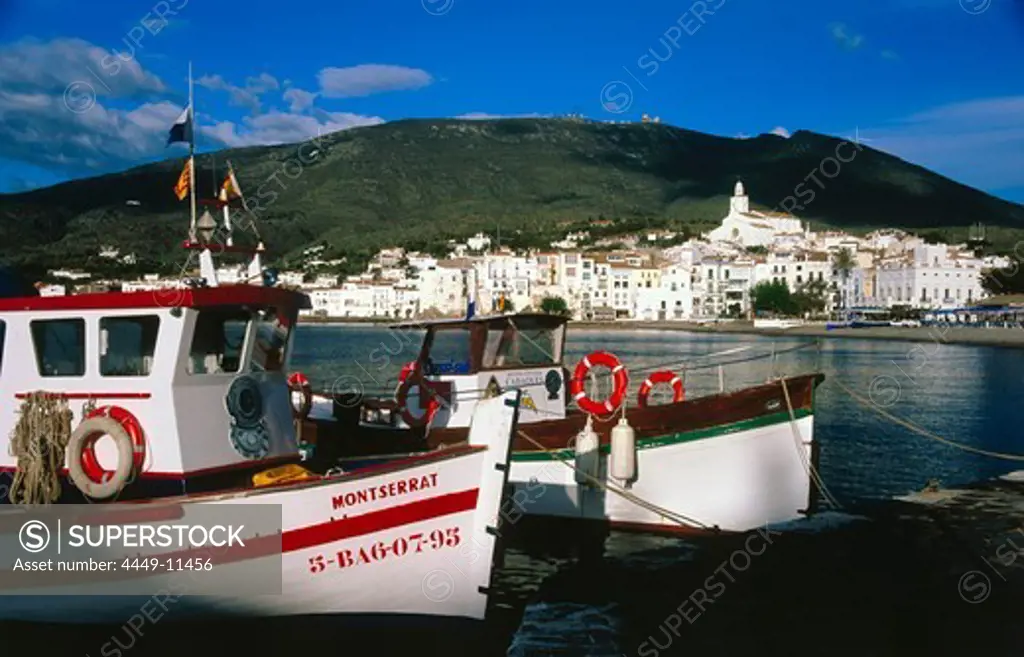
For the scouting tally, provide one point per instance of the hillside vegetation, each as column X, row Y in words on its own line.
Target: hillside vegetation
column 420, row 182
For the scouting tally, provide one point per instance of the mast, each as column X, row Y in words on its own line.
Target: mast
column 192, row 155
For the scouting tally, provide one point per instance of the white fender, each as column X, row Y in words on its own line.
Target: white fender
column 92, row 429
column 588, row 454
column 623, row 451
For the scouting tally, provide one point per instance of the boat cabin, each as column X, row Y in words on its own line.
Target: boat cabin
column 197, row 376
column 463, row 361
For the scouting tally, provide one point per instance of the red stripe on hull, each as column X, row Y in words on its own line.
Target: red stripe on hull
column 254, row 548
column 375, row 521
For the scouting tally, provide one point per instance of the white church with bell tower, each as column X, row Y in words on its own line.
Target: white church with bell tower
column 752, row 228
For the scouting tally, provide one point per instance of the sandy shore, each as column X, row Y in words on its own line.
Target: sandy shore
column 993, row 337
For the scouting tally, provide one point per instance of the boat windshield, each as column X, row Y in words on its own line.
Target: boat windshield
column 523, row 344
column 451, row 351
column 218, row 341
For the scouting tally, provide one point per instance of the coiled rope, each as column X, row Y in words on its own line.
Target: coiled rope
column 39, row 441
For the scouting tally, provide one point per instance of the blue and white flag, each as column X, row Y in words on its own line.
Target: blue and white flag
column 182, row 128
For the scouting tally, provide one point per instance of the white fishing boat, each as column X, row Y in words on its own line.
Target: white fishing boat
column 727, row 461
column 169, row 405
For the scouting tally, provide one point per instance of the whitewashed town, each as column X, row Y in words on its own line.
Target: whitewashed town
column 705, row 278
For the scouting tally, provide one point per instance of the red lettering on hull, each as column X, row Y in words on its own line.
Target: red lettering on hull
column 378, row 551
column 384, row 491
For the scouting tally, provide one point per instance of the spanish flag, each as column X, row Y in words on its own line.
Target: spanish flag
column 230, row 188
column 181, row 189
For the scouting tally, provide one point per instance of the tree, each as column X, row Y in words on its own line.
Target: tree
column 554, row 306
column 811, row 297
column 844, row 263
column 772, row 297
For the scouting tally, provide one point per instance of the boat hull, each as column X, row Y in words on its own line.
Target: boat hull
column 734, row 478
column 734, row 461
column 337, row 546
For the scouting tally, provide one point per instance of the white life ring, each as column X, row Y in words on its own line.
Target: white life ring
column 83, row 440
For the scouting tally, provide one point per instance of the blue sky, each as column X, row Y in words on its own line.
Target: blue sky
column 91, row 87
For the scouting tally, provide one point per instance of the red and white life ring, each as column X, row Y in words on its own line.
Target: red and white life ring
column 407, row 369
column 658, row 378
column 415, row 380
column 83, row 465
column 298, row 383
column 620, row 383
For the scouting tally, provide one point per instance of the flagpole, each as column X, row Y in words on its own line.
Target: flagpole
column 191, row 155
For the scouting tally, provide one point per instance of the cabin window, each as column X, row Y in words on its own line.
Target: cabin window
column 268, row 352
column 522, row 346
column 218, row 341
column 60, row 346
column 127, row 345
column 450, row 351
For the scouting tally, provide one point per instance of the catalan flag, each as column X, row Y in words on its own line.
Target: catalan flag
column 230, row 189
column 184, row 180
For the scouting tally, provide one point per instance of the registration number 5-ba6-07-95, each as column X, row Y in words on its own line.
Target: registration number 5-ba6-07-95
column 437, row 539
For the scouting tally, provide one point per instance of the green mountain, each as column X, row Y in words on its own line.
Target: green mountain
column 419, row 182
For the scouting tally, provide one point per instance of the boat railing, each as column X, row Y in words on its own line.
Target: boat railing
column 701, row 374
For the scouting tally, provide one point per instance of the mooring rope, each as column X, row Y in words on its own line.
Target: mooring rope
column 924, row 432
column 812, row 472
column 38, row 442
column 668, row 514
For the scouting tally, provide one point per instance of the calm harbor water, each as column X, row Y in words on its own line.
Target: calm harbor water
column 874, row 577
column 865, row 580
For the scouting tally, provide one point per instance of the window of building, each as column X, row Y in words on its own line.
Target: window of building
column 936, row 297
column 947, row 294
column 799, row 279
column 60, row 346
column 218, row 341
column 924, row 294
column 958, row 294
column 969, row 294
column 127, row 345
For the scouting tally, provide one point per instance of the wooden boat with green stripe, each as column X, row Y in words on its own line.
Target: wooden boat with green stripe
column 731, row 461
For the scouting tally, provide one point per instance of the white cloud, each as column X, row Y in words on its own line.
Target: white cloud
column 299, row 99
column 844, row 37
column 977, row 142
column 51, row 66
column 282, row 128
column 247, row 96
column 367, row 79
column 780, row 131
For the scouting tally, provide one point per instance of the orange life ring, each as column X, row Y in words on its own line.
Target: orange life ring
column 620, row 384
column 415, row 380
column 298, row 382
column 91, row 464
column 658, row 378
